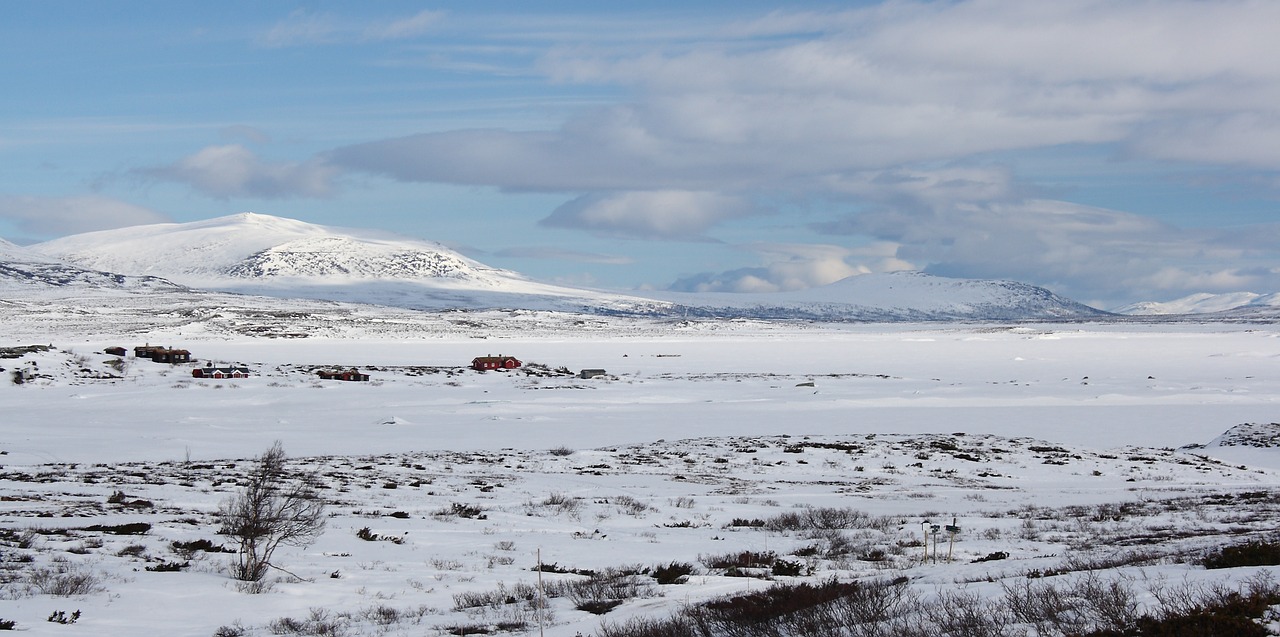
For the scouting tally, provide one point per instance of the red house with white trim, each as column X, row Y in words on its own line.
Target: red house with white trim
column 220, row 372
column 483, row 363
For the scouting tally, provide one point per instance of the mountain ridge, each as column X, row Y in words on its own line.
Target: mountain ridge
column 250, row 253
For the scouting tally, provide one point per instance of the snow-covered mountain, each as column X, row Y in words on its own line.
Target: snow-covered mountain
column 258, row 254
column 1202, row 303
column 269, row 256
column 1227, row 306
column 897, row 296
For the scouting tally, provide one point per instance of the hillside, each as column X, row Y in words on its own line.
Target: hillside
column 25, row 273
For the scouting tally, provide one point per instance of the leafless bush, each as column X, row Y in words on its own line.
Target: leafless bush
column 273, row 509
column 827, row 518
column 1099, row 561
column 318, row 623
column 603, row 591
column 1083, row 604
column 496, row 597
column 65, row 579
column 631, row 506
column 558, row 504
column 519, row 605
column 678, row 625
column 963, row 613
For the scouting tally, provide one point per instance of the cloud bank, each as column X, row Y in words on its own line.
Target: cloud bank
column 233, row 170
column 907, row 117
column 55, row 216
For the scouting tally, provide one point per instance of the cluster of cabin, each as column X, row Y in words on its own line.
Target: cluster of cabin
column 156, row 353
column 161, row 354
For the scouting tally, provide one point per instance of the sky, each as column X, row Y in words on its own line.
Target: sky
column 1112, row 152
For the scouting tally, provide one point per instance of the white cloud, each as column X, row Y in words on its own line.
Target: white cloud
column 303, row 28
column 795, row 266
column 235, row 171
column 56, row 216
column 663, row 214
column 403, row 28
column 892, row 85
column 894, row 111
column 1102, row 257
column 561, row 254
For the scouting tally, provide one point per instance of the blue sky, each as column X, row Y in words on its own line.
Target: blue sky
column 1111, row 151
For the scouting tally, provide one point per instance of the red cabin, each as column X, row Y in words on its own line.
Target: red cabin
column 482, row 363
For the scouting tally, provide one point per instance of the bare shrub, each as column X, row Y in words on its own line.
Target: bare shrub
column 500, row 596
column 1256, row 553
column 675, row 626
column 1049, row 607
column 827, row 518
column 828, row 608
column 318, row 623
column 673, row 573
column 632, row 506
column 516, row 607
column 275, row 508
column 962, row 613
column 605, row 590
column 559, row 504
column 65, row 579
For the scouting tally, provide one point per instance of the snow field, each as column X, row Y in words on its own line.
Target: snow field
column 1057, row 445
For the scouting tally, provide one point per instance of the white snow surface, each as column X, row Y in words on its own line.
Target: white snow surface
column 1054, row 443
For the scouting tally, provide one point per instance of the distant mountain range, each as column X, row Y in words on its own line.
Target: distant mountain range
column 274, row 257
column 1234, row 302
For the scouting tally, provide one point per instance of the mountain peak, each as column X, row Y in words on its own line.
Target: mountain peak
column 253, row 245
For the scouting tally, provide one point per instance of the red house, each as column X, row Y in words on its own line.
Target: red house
column 482, row 363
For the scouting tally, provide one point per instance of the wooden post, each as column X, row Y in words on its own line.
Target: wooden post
column 935, row 543
column 924, row 535
column 952, row 547
column 542, row 598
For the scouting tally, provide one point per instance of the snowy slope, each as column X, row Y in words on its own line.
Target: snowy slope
column 24, row 273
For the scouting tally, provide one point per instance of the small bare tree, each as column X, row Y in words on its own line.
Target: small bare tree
column 274, row 508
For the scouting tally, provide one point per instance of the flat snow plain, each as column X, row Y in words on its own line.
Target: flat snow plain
column 1024, row 433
